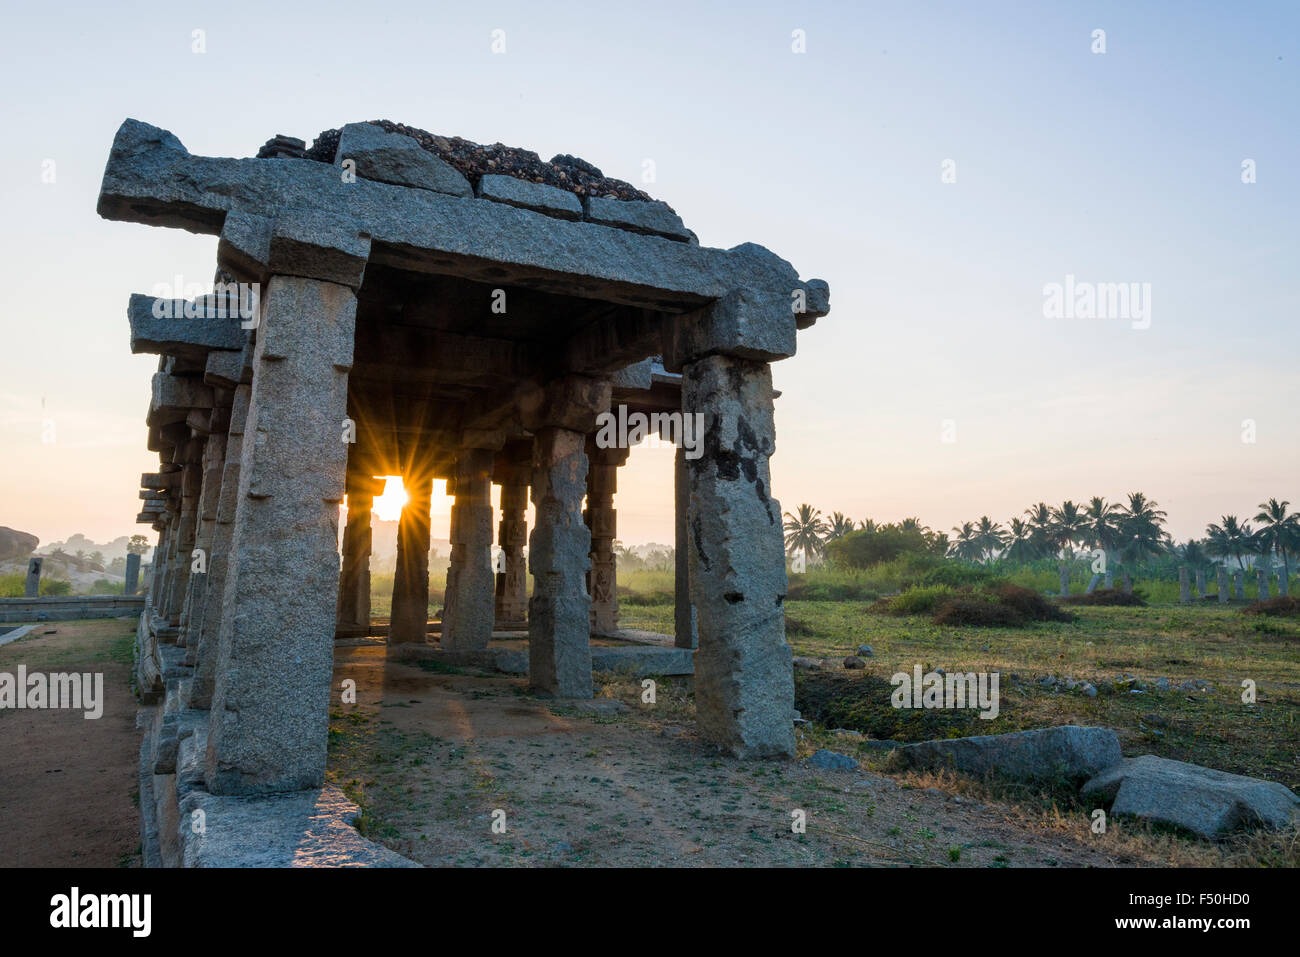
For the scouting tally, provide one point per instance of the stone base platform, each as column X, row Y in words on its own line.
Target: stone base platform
column 183, row 825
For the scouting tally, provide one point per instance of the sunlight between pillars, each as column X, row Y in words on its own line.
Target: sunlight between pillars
column 409, row 620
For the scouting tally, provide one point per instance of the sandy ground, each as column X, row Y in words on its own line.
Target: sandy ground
column 68, row 784
column 436, row 758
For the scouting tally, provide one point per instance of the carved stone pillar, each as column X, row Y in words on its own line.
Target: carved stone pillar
column 469, row 610
column 602, row 521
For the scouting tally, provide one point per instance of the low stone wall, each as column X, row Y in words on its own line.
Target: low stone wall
column 69, row 608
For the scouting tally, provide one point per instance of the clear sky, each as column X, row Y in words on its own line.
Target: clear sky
column 1115, row 167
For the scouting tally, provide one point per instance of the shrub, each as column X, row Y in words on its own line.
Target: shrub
column 917, row 600
column 51, row 586
column 956, row 574
column 862, row 549
column 986, row 614
column 1282, row 606
column 1029, row 604
column 1105, row 596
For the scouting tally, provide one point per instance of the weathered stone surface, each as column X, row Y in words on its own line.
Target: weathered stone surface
column 744, row 680
column 744, row 324
column 652, row 218
column 686, row 633
column 174, row 334
column 1066, row 752
column 409, row 621
column 535, row 196
column 469, row 609
column 226, row 369
column 832, row 761
column 304, row 829
column 1206, row 802
column 173, row 397
column 32, row 584
column 275, row 654
column 151, row 178
column 15, row 544
column 558, row 612
column 318, row 245
column 397, row 159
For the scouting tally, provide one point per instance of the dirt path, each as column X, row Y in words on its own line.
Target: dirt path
column 68, row 784
column 432, row 755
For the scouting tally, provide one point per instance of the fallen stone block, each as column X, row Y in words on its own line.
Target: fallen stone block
column 1067, row 752
column 1205, row 802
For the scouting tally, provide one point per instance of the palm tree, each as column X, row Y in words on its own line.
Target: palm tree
column 1194, row 555
column 839, row 526
column 1040, row 527
column 1279, row 530
column 990, row 537
column 805, row 532
column 911, row 525
column 1229, row 539
column 1068, row 525
column 966, row 547
column 866, row 525
column 1102, row 531
column 1019, row 546
column 1141, row 532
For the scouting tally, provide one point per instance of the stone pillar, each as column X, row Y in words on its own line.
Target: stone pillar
column 409, row 620
column 1261, row 576
column 512, row 535
column 602, row 522
column 1239, row 584
column 559, row 629
column 1200, row 583
column 161, row 561
column 186, row 535
column 685, row 628
column 270, row 708
column 469, row 610
column 214, row 459
column 1092, row 584
column 354, row 579
column 32, row 587
column 1224, row 595
column 132, row 580
column 1184, row 585
column 744, row 683
column 214, row 599
column 1282, row 580
column 1063, row 575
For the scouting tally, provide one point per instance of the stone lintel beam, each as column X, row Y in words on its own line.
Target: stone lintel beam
column 442, row 357
column 609, row 345
column 160, row 480
column 744, row 324
column 570, row 402
column 160, row 326
column 151, row 178
column 227, row 369
column 174, row 396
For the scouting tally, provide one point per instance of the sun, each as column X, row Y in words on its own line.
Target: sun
column 388, row 506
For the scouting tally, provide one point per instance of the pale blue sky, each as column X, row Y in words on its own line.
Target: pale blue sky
column 1122, row 167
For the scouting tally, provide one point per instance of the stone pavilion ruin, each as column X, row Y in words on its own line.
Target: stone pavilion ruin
column 415, row 315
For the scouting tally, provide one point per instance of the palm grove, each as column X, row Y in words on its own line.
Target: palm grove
column 1128, row 537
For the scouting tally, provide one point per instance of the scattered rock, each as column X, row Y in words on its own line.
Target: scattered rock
column 832, row 761
column 865, row 651
column 1068, row 751
column 1201, row 800
column 808, row 664
column 853, row 663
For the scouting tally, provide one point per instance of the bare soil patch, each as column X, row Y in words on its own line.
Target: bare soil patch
column 68, row 789
column 432, row 754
